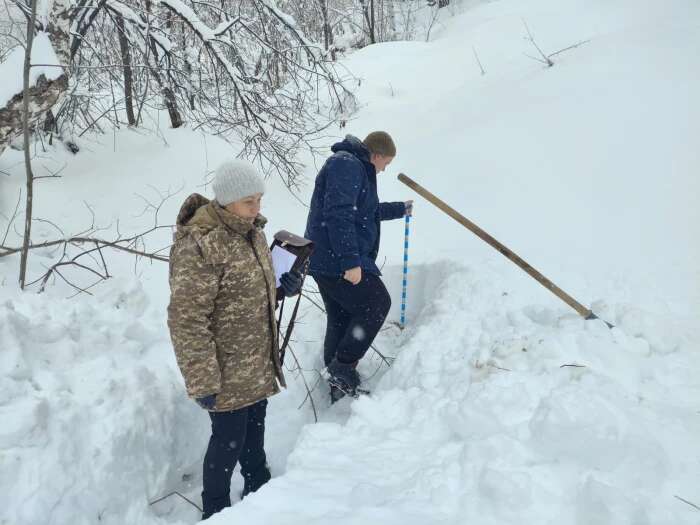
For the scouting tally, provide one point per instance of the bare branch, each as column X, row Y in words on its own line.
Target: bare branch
column 117, row 245
column 478, row 61
column 11, row 219
column 306, row 385
column 545, row 58
column 687, row 502
column 570, row 47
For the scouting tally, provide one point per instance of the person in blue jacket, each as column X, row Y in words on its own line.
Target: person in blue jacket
column 344, row 223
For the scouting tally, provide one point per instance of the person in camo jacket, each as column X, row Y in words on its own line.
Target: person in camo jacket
column 222, row 325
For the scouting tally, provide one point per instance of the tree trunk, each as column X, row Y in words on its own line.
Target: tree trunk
column 83, row 23
column 327, row 32
column 368, row 13
column 168, row 94
column 171, row 105
column 128, row 75
column 27, row 160
column 46, row 93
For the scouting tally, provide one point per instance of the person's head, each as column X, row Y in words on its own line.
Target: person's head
column 382, row 149
column 238, row 187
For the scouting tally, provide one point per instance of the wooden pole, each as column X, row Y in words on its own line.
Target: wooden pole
column 584, row 312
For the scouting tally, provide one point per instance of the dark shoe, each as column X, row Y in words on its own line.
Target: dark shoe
column 212, row 507
column 253, row 483
column 336, row 393
column 343, row 377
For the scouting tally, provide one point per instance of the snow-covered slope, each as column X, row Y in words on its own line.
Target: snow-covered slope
column 502, row 405
column 494, row 415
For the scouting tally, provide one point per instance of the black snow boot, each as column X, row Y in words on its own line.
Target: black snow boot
column 344, row 379
column 252, row 482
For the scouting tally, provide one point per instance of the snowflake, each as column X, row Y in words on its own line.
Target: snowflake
column 359, row 333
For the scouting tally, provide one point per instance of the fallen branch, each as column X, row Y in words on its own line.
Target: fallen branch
column 117, row 245
column 26, row 108
column 176, row 493
column 306, row 385
column 383, row 357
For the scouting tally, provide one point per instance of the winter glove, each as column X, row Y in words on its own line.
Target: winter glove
column 207, row 402
column 290, row 283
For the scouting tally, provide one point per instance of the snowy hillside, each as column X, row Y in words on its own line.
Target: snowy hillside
column 502, row 406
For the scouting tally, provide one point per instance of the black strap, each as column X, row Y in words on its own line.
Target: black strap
column 290, row 326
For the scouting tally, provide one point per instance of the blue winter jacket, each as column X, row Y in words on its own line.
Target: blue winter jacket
column 344, row 219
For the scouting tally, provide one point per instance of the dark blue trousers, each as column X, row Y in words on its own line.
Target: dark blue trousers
column 355, row 313
column 236, row 436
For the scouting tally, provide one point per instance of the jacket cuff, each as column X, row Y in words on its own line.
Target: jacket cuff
column 350, row 261
column 212, row 385
column 203, row 392
column 392, row 210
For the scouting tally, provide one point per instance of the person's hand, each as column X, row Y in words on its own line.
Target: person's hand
column 353, row 275
column 409, row 208
column 207, row 402
column 291, row 282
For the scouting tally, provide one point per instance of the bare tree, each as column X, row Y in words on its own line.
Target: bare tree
column 126, row 65
column 31, row 20
column 327, row 29
column 241, row 69
column 370, row 19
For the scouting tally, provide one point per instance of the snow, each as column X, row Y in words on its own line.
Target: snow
column 289, row 21
column 204, row 31
column 11, row 70
column 86, row 405
column 271, row 5
column 130, row 15
column 501, row 405
column 207, row 35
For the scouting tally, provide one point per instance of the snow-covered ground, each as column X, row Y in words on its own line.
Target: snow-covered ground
column 501, row 405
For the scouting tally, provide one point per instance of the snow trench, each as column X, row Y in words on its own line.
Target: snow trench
column 490, row 413
column 494, row 414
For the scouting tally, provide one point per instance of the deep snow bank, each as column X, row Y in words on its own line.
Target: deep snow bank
column 93, row 426
column 496, row 414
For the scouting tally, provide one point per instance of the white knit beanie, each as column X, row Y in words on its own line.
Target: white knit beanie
column 236, row 179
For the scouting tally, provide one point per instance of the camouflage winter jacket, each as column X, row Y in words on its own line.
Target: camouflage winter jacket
column 222, row 306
